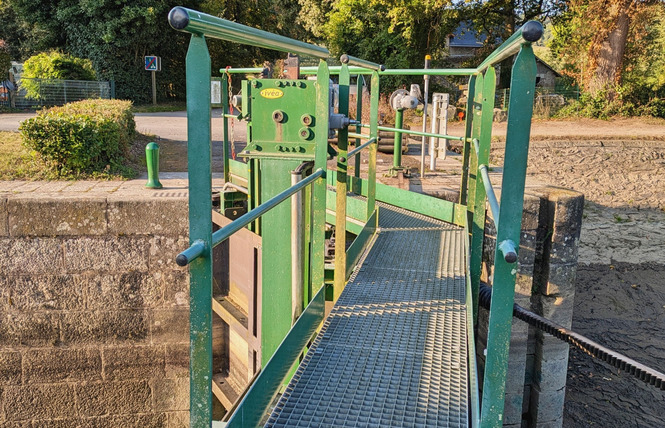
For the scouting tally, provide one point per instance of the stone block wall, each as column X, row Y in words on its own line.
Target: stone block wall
column 94, row 318
column 547, row 265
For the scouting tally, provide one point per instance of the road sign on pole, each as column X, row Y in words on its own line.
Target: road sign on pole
column 153, row 64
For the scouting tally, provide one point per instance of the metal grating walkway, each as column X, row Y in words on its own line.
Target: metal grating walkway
column 392, row 352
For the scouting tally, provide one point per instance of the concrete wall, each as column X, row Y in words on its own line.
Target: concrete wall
column 551, row 225
column 93, row 310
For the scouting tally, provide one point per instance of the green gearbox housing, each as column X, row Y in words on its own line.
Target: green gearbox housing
column 281, row 116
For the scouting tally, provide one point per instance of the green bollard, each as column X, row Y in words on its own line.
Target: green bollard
column 152, row 159
column 397, row 155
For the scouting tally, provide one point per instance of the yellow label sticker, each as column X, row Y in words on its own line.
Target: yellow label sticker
column 271, row 93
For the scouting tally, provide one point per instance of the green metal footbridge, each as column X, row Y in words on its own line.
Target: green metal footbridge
column 380, row 333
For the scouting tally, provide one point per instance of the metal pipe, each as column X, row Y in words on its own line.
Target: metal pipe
column 195, row 250
column 491, row 196
column 530, row 32
column 507, row 248
column 296, row 248
column 246, row 70
column 233, row 116
column 398, row 71
column 397, row 150
column 360, row 147
column 360, row 136
column 235, row 186
column 434, row 141
column 351, row 60
column 424, row 138
column 199, row 23
column 412, row 132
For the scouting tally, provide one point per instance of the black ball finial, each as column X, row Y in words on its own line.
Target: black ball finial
column 181, row 260
column 382, row 67
column 344, row 59
column 532, row 31
column 178, row 18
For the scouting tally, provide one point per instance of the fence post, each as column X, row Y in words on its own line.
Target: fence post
column 112, row 83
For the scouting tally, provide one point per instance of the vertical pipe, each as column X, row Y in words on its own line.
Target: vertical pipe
column 424, row 139
column 467, row 149
column 397, row 154
column 434, row 142
column 200, row 228
column 225, row 123
column 373, row 133
column 340, row 203
column 359, row 117
column 444, row 110
column 296, row 248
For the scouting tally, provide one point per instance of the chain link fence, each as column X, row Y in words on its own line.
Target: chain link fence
column 546, row 101
column 53, row 92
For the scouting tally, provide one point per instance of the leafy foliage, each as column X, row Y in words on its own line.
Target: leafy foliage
column 81, row 137
column 5, row 60
column 54, row 65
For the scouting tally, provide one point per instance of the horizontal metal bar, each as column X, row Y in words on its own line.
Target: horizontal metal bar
column 233, row 116
column 411, row 132
column 224, row 233
column 351, row 60
column 530, row 32
column 507, row 248
column 360, row 147
column 428, row 71
column 202, row 24
column 397, row 71
column 246, row 70
column 195, row 250
column 361, row 136
column 491, row 196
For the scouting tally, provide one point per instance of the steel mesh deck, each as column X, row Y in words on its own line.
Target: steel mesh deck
column 393, row 350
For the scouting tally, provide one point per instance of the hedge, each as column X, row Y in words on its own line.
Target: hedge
column 81, row 137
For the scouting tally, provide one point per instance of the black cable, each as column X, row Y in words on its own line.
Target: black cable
column 640, row 371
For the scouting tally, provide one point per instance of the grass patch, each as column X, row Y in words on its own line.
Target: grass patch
column 19, row 163
column 160, row 108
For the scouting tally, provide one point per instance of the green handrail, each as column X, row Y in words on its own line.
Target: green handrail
column 202, row 24
column 397, row 71
column 527, row 33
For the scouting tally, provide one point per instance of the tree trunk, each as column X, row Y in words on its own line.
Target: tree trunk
column 607, row 51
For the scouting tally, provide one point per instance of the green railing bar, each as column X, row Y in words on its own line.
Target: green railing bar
column 246, row 70
column 398, row 71
column 429, row 71
column 530, row 32
column 195, row 22
column 232, row 116
column 474, row 394
column 360, row 147
column 351, row 60
column 491, row 196
column 412, row 132
column 360, row 82
column 252, row 408
column 224, row 233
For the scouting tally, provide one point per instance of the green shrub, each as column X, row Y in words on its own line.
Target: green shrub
column 82, row 137
column 54, row 65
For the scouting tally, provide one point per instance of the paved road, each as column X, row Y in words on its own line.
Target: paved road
column 170, row 126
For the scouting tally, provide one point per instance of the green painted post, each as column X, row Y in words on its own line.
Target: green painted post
column 200, row 229
column 520, row 109
column 319, row 186
column 397, row 155
column 466, row 145
column 486, row 97
column 373, row 133
column 340, row 205
column 152, row 160
column 225, row 141
column 360, row 80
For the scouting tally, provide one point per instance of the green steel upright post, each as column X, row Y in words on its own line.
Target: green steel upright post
column 360, row 79
column 397, row 155
column 340, row 208
column 522, row 86
column 373, row 133
column 486, row 97
column 467, row 147
column 200, row 229
column 225, row 141
column 319, row 186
